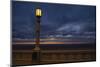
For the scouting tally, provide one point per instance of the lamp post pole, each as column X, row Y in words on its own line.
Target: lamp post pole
column 37, row 32
column 36, row 54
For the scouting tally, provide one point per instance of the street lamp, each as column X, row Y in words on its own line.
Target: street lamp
column 38, row 14
column 36, row 53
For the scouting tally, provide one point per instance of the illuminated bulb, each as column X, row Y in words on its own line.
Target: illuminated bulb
column 38, row 12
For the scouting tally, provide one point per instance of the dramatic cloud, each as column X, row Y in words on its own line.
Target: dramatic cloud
column 74, row 19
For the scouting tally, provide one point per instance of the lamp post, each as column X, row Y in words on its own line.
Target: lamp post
column 36, row 53
column 38, row 14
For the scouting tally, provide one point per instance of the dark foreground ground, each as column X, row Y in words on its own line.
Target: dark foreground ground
column 23, row 54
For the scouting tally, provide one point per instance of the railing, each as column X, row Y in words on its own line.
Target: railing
column 24, row 57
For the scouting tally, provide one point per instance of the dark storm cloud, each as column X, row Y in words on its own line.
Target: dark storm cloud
column 56, row 17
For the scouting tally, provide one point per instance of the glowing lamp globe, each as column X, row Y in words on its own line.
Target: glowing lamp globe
column 38, row 12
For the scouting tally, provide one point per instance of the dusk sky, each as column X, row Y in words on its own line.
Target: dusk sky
column 67, row 18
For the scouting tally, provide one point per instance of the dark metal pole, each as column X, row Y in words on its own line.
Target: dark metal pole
column 37, row 32
column 36, row 52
